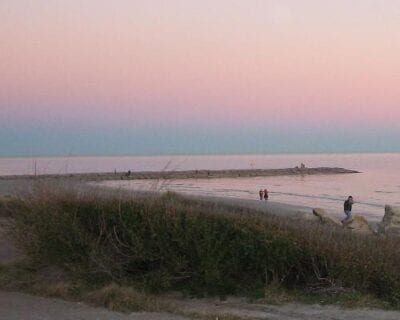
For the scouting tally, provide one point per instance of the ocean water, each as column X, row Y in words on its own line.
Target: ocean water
column 377, row 184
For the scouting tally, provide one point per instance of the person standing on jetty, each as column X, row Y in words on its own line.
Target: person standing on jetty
column 348, row 204
column 261, row 194
column 265, row 194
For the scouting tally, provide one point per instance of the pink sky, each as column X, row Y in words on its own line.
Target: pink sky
column 193, row 61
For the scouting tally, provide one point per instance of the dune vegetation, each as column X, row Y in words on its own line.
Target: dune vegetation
column 162, row 243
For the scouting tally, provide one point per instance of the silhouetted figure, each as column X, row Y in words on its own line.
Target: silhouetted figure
column 261, row 193
column 265, row 194
column 347, row 206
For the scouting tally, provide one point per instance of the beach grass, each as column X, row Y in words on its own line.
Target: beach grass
column 158, row 244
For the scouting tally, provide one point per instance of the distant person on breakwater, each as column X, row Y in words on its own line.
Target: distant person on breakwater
column 261, row 194
column 265, row 194
column 348, row 205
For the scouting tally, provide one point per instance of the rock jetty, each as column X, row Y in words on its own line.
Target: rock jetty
column 390, row 224
column 391, row 221
column 189, row 174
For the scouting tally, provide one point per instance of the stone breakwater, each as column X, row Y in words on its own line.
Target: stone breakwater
column 390, row 224
column 189, row 174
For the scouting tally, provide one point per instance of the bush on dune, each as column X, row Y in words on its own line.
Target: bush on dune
column 169, row 242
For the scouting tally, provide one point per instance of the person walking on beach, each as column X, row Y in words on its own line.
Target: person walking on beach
column 265, row 194
column 348, row 204
column 261, row 193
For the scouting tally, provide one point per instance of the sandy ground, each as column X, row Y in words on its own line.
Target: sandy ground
column 9, row 187
column 269, row 207
column 18, row 306
column 240, row 308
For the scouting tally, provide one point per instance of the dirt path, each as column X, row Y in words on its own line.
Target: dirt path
column 240, row 308
column 18, row 306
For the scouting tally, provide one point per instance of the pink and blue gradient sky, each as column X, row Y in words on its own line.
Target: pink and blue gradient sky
column 199, row 76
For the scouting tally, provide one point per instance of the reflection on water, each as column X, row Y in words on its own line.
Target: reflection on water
column 326, row 191
column 62, row 165
column 377, row 185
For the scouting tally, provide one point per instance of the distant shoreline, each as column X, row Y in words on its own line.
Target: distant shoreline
column 187, row 174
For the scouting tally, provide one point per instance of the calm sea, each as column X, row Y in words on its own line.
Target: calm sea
column 377, row 184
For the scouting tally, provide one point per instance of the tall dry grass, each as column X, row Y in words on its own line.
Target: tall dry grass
column 169, row 242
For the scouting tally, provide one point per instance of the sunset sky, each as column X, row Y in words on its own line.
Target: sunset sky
column 222, row 76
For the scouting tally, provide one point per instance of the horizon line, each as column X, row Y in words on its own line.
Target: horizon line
column 197, row 154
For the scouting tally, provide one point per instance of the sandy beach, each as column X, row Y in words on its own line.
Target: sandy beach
column 11, row 185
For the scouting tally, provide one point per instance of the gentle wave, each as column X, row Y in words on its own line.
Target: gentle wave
column 376, row 186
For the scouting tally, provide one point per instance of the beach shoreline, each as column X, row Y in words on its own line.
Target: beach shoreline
column 18, row 185
column 266, row 207
column 14, row 185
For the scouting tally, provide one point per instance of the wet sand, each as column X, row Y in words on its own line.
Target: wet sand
column 11, row 185
column 267, row 207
